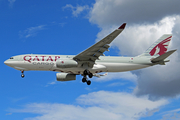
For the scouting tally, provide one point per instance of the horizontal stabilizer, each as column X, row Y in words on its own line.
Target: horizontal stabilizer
column 163, row 56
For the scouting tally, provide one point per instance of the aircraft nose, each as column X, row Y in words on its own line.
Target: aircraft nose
column 6, row 62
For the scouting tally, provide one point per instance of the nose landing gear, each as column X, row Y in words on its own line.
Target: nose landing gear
column 84, row 79
column 22, row 74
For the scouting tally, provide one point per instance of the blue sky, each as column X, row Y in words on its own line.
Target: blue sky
column 69, row 27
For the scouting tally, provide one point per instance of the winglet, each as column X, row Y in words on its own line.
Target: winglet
column 122, row 26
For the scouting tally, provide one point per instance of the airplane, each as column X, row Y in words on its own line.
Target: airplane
column 92, row 61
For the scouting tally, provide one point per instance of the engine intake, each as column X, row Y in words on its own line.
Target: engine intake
column 65, row 77
column 66, row 63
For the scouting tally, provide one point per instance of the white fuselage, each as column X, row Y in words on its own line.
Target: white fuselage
column 104, row 64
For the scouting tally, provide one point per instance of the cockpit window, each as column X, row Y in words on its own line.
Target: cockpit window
column 11, row 58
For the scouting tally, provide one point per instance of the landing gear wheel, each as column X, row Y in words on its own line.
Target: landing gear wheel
column 85, row 72
column 84, row 80
column 90, row 75
column 88, row 82
column 22, row 75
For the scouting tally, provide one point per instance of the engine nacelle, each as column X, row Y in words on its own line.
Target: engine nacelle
column 66, row 63
column 65, row 77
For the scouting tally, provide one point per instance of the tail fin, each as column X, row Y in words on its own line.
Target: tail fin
column 159, row 47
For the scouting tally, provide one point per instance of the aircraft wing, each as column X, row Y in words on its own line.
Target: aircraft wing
column 90, row 55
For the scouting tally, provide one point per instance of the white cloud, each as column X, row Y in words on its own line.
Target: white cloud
column 121, row 75
column 135, row 39
column 14, row 100
column 8, row 113
column 11, row 2
column 97, row 105
column 31, row 32
column 163, row 81
column 117, row 84
column 76, row 10
column 141, row 33
column 51, row 83
column 158, row 81
column 115, row 12
column 171, row 115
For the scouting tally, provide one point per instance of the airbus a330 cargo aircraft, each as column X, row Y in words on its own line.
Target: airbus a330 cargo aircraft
column 92, row 61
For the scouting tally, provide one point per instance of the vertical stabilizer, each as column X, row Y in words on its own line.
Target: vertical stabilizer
column 159, row 47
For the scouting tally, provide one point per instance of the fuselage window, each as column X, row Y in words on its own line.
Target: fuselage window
column 11, row 58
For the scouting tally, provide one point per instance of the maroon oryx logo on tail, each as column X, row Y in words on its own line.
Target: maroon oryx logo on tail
column 160, row 48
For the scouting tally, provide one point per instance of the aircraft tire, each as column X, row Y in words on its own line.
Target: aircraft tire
column 85, row 72
column 22, row 75
column 88, row 82
column 84, row 80
column 90, row 75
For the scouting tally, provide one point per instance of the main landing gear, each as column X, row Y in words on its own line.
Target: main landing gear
column 90, row 75
column 22, row 74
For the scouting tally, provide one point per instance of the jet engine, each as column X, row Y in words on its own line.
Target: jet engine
column 65, row 77
column 66, row 63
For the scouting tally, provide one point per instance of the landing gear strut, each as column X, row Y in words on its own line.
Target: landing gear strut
column 22, row 75
column 90, row 75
